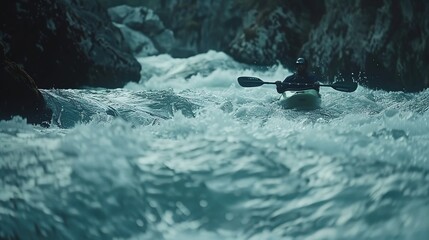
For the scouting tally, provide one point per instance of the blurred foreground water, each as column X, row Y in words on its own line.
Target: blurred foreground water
column 189, row 154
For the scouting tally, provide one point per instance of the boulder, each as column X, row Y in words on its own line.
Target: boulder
column 19, row 95
column 140, row 44
column 146, row 22
column 67, row 44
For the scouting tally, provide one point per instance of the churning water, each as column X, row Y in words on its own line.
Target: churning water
column 189, row 154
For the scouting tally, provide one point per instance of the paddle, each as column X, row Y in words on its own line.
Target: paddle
column 340, row 86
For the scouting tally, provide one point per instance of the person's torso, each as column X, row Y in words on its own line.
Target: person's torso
column 300, row 78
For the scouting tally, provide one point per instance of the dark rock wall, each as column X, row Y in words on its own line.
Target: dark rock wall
column 278, row 30
column 380, row 43
column 200, row 26
column 72, row 43
column 66, row 43
column 384, row 39
column 252, row 31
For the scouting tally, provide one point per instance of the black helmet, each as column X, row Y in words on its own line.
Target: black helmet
column 300, row 61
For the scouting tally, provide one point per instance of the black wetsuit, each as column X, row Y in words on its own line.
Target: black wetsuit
column 298, row 78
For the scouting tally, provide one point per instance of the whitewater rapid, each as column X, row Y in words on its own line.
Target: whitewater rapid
column 189, row 154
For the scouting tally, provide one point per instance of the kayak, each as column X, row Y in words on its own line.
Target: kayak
column 302, row 99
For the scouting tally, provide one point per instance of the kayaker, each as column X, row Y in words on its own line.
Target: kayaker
column 300, row 76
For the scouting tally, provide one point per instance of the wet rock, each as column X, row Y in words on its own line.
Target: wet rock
column 19, row 95
column 197, row 26
column 67, row 44
column 275, row 35
column 382, row 44
column 253, row 32
column 144, row 21
column 386, row 40
column 140, row 44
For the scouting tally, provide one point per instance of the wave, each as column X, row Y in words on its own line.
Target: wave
column 173, row 158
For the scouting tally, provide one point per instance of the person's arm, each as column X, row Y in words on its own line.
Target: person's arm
column 314, row 79
column 279, row 87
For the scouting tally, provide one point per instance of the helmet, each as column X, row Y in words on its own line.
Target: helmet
column 300, row 61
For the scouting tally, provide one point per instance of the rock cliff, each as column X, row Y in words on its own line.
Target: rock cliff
column 380, row 43
column 66, row 43
column 19, row 94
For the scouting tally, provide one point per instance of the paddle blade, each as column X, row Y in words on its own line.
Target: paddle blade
column 345, row 86
column 250, row 81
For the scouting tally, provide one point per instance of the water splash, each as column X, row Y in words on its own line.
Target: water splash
column 182, row 156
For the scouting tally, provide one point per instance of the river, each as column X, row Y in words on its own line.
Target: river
column 189, row 154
